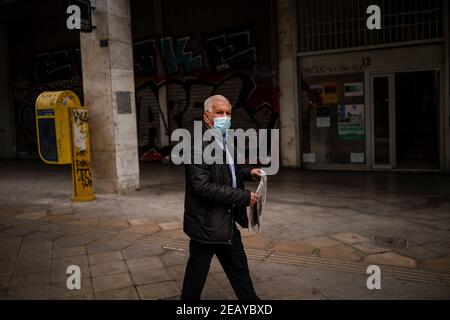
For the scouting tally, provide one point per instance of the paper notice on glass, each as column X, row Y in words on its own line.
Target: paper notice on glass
column 254, row 213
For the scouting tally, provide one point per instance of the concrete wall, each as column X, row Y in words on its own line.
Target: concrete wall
column 7, row 143
column 287, row 53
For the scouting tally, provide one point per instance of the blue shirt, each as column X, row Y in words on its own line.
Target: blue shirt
column 230, row 161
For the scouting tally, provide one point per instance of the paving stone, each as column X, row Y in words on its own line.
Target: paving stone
column 89, row 296
column 214, row 293
column 33, row 265
column 417, row 252
column 322, row 278
column 114, row 225
column 11, row 243
column 4, row 282
column 107, row 246
column 73, row 241
column 160, row 290
column 176, row 272
column 143, row 229
column 172, row 234
column 111, row 282
column 140, row 250
column 256, row 241
column 442, row 249
column 29, row 293
column 60, row 290
column 26, row 255
column 170, row 225
column 150, row 276
column 7, row 253
column 105, row 257
column 30, row 279
column 32, row 215
column 173, row 258
column 390, row 258
column 221, row 279
column 214, row 267
column 346, row 292
column 300, row 247
column 6, row 269
column 118, row 294
column 440, row 264
column 64, row 262
column 140, row 222
column 84, row 222
column 306, row 295
column 341, row 252
column 279, row 288
column 350, row 238
column 58, row 274
column 148, row 263
column 69, row 252
column 43, row 236
column 319, row 242
column 108, row 268
column 35, row 208
column 15, row 232
column 370, row 248
column 36, row 246
column 57, row 219
column 245, row 232
column 60, row 211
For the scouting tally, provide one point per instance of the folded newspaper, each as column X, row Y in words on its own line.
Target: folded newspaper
column 254, row 213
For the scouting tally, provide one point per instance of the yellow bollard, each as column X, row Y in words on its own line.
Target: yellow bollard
column 81, row 155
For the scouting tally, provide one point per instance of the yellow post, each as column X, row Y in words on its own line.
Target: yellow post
column 81, row 156
column 63, row 138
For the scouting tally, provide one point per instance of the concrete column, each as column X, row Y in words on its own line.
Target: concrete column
column 162, row 99
column 287, row 53
column 108, row 86
column 446, row 86
column 7, row 145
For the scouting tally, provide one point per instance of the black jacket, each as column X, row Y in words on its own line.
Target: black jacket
column 211, row 204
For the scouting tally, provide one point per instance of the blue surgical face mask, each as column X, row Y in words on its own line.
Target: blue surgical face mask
column 222, row 124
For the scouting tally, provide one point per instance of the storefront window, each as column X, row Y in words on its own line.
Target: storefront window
column 333, row 119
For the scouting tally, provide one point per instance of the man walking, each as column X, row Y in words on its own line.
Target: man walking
column 215, row 199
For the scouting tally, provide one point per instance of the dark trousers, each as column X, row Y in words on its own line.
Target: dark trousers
column 233, row 261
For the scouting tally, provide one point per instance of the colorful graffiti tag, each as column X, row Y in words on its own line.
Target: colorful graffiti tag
column 226, row 64
column 50, row 71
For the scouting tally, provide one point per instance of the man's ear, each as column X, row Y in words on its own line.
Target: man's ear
column 207, row 119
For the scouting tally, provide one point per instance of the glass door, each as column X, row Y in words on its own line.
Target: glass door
column 383, row 121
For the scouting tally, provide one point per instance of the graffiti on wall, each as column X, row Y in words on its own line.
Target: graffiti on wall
column 228, row 51
column 53, row 70
column 226, row 64
column 222, row 51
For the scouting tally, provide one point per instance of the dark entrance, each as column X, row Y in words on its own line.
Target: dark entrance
column 417, row 116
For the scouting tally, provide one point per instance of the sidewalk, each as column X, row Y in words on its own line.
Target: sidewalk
column 320, row 232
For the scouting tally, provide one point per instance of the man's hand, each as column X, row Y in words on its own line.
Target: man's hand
column 253, row 199
column 256, row 174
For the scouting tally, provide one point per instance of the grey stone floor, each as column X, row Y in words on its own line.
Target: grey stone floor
column 317, row 236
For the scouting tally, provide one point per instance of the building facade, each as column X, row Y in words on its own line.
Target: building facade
column 374, row 99
column 343, row 96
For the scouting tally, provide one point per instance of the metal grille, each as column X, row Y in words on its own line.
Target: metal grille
column 339, row 24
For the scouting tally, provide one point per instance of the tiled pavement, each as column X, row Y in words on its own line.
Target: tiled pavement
column 317, row 247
